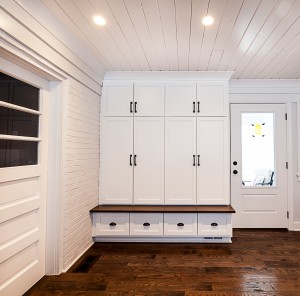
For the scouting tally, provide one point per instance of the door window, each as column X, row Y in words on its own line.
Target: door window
column 258, row 156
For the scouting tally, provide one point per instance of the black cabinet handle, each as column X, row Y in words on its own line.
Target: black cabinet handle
column 235, row 172
column 234, row 163
column 135, row 107
column 198, row 158
column 180, row 224
column 112, row 224
column 146, row 224
column 130, row 160
column 194, row 107
column 198, row 107
column 131, row 103
column 194, row 160
column 214, row 224
column 134, row 160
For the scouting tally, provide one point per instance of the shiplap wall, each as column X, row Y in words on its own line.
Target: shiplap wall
column 81, row 168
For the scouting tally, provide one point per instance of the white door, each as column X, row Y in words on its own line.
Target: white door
column 116, row 160
column 148, row 160
column 213, row 177
column 117, row 99
column 258, row 165
column 181, row 99
column 180, row 160
column 23, row 179
column 149, row 99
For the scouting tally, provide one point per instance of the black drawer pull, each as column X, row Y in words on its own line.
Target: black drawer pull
column 180, row 224
column 112, row 224
column 131, row 103
column 146, row 224
column 214, row 224
column 194, row 107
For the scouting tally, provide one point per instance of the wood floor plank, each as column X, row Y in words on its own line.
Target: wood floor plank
column 257, row 263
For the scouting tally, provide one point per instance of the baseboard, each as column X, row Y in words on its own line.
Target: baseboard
column 73, row 262
column 296, row 226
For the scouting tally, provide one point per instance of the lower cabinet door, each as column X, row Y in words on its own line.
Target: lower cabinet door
column 111, row 224
column 178, row 224
column 146, row 224
column 214, row 224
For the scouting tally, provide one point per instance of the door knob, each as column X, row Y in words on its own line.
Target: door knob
column 235, row 172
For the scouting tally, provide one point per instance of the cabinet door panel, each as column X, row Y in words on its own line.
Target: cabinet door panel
column 181, row 99
column 117, row 99
column 180, row 173
column 149, row 98
column 149, row 168
column 213, row 151
column 116, row 174
column 212, row 100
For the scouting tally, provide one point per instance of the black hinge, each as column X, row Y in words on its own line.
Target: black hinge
column 285, row 116
column 288, row 214
column 286, row 165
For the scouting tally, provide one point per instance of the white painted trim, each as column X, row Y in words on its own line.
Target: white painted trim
column 298, row 130
column 54, row 230
column 163, row 239
column 264, row 83
column 70, row 265
column 290, row 172
column 19, row 138
column 296, row 226
column 19, row 108
column 169, row 75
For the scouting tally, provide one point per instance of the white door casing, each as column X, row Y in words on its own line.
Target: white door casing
column 259, row 206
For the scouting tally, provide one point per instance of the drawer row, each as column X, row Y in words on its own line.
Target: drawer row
column 162, row 224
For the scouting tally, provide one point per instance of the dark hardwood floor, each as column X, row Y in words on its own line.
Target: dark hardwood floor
column 258, row 262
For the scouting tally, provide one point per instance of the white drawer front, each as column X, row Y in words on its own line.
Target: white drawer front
column 214, row 224
column 111, row 224
column 146, row 224
column 178, row 224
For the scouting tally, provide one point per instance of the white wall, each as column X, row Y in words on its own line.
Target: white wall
column 81, row 168
column 277, row 91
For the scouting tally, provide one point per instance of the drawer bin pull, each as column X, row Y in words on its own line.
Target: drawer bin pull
column 112, row 224
column 180, row 224
column 146, row 224
column 214, row 224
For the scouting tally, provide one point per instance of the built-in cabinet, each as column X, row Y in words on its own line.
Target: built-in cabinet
column 164, row 142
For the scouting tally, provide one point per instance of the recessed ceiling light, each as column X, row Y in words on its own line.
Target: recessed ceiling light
column 208, row 20
column 99, row 20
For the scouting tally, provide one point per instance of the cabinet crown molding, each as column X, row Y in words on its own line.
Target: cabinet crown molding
column 169, row 75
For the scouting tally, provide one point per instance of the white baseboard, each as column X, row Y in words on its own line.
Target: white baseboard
column 296, row 226
column 70, row 265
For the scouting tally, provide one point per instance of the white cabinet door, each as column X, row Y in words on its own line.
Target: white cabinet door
column 212, row 100
column 117, row 98
column 213, row 165
column 149, row 160
column 116, row 171
column 149, row 99
column 181, row 99
column 180, row 153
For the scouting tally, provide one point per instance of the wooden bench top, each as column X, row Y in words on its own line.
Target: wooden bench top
column 163, row 209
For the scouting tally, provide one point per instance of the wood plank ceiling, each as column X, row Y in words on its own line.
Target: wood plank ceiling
column 258, row 39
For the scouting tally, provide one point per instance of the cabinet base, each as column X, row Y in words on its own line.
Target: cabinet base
column 126, row 239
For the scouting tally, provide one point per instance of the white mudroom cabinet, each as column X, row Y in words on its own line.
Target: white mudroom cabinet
column 164, row 147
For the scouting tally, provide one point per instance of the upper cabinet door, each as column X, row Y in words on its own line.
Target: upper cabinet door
column 181, row 99
column 212, row 99
column 117, row 98
column 149, row 99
